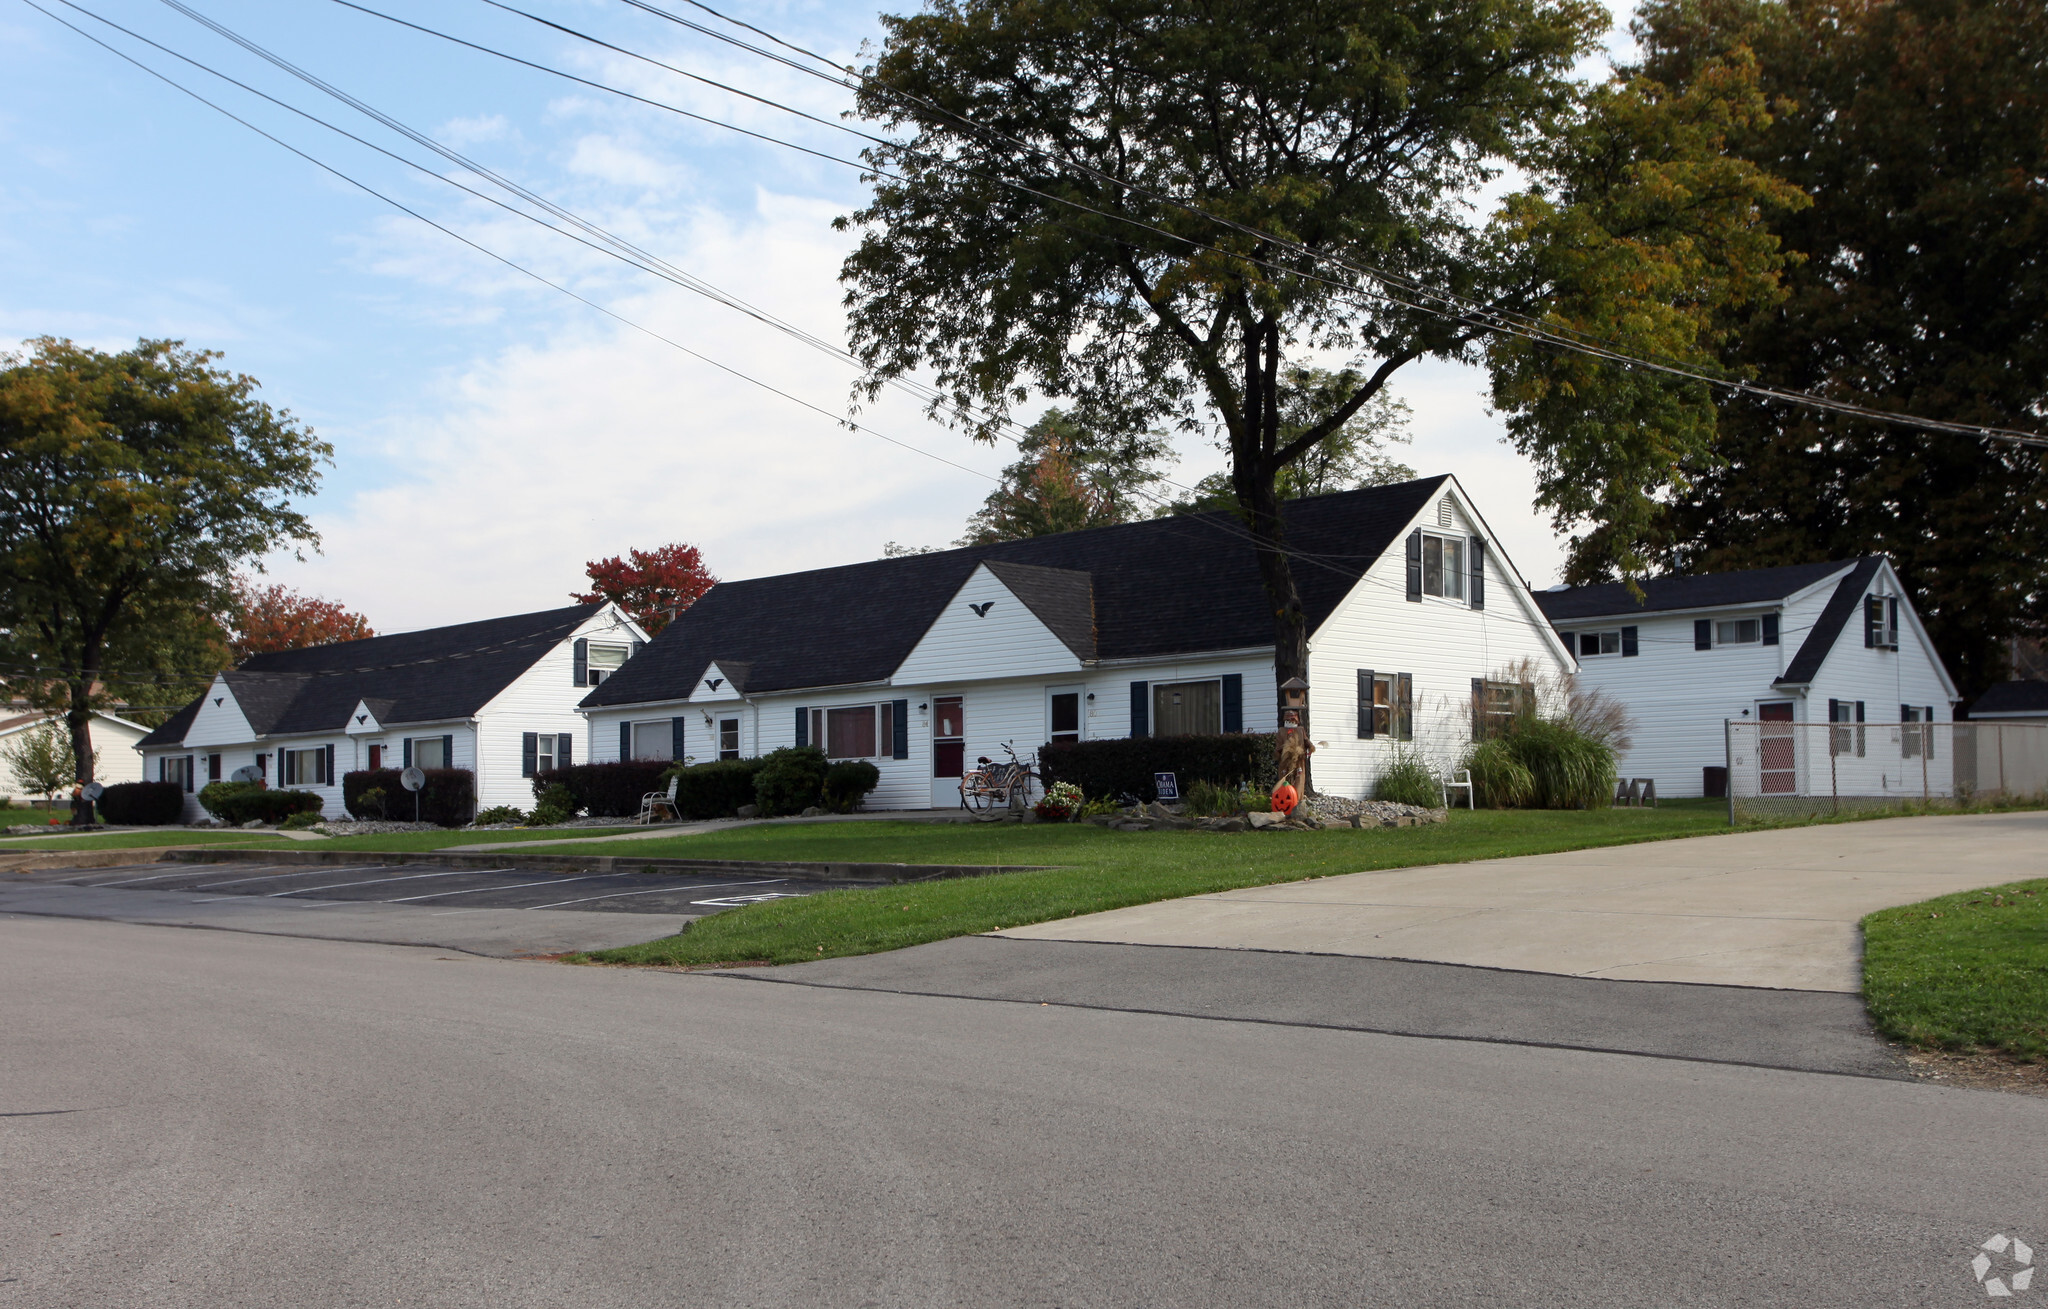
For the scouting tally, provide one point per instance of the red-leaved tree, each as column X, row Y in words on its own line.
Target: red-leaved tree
column 271, row 618
column 652, row 586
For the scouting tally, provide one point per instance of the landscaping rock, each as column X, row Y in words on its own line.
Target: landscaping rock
column 1259, row 821
column 1237, row 824
column 256, row 824
column 812, row 811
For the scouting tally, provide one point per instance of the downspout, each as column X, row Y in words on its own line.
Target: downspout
column 476, row 753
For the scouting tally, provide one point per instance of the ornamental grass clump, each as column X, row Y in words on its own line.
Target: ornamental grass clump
column 1541, row 763
column 1409, row 780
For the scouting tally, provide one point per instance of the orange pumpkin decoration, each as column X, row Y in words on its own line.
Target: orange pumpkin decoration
column 1285, row 798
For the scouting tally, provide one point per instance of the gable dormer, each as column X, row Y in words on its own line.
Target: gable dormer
column 722, row 679
column 367, row 718
column 220, row 720
column 1008, row 620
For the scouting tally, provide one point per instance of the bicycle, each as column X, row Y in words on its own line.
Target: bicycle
column 989, row 783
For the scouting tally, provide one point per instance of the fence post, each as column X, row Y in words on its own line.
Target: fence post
column 1926, row 748
column 2001, row 759
column 1728, row 758
column 1834, row 777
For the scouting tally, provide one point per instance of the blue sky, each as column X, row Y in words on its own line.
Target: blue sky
column 491, row 434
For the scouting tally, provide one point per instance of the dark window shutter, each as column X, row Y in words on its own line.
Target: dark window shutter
column 1415, row 565
column 899, row 736
column 1478, row 708
column 1702, row 633
column 529, row 753
column 189, row 760
column 1141, row 709
column 1770, row 629
column 1629, row 646
column 408, row 752
column 1365, row 704
column 1873, row 614
column 1834, row 711
column 625, row 742
column 581, row 661
column 1478, row 573
column 447, row 752
column 676, row 747
column 1927, row 733
column 1859, row 711
column 803, row 725
column 329, row 779
column 1891, row 625
column 562, row 741
column 1233, row 702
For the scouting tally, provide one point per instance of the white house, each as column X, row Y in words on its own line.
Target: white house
column 1807, row 643
column 497, row 697
column 114, row 739
column 926, row 662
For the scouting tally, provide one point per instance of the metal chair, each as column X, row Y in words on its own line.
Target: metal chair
column 655, row 801
column 1458, row 781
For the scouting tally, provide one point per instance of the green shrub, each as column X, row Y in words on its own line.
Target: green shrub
column 1571, row 770
column 1120, row 766
column 713, row 790
column 1408, row 779
column 610, row 790
column 1500, row 780
column 500, row 813
column 557, row 805
column 1210, row 800
column 848, row 782
column 245, row 802
column 447, row 800
column 300, row 821
column 1542, row 764
column 142, row 804
column 791, row 780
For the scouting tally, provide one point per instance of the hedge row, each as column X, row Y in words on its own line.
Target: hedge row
column 713, row 790
column 142, row 804
column 607, row 790
column 236, row 803
column 1123, row 767
column 448, row 799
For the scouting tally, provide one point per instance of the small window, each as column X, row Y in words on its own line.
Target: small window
column 1599, row 643
column 604, row 661
column 543, row 751
column 172, row 769
column 1738, row 631
column 427, row 753
column 1443, row 567
column 728, row 738
column 949, row 718
column 1187, row 708
column 655, row 740
column 1498, row 705
column 306, row 767
column 213, row 768
column 1393, row 710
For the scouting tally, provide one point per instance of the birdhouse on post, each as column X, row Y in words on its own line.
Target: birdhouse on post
column 1294, row 746
column 1293, row 704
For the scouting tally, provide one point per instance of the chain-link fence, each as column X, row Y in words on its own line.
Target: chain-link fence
column 1778, row 769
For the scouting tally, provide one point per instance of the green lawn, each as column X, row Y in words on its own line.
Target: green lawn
column 1963, row 972
column 1099, row 870
column 128, row 840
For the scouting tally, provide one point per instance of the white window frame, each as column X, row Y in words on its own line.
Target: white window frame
column 731, row 724
column 1452, row 580
column 885, row 729
column 1756, row 622
column 543, row 751
column 601, row 661
column 661, row 728
column 294, row 766
column 420, row 741
column 1080, row 694
column 1600, row 639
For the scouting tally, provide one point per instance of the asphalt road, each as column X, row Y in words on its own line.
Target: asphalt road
column 216, row 1119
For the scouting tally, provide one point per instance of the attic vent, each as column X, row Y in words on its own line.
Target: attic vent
column 1443, row 513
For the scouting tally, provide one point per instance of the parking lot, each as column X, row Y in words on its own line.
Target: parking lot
column 446, row 891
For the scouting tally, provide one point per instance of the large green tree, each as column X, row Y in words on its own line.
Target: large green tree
column 133, row 486
column 1066, row 477
column 1351, row 457
column 1919, row 128
column 1154, row 207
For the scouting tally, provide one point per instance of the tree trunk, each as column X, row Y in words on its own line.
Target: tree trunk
column 78, row 719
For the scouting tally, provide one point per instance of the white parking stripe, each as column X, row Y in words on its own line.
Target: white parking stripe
column 129, row 881
column 311, row 870
column 306, row 890
column 620, row 895
column 514, row 887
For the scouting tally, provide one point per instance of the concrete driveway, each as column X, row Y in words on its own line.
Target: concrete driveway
column 1774, row 909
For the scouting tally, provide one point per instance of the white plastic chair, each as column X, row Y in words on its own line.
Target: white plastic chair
column 654, row 801
column 1459, row 781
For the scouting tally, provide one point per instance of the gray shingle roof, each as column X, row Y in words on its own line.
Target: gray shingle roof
column 2012, row 698
column 1846, row 602
column 427, row 676
column 1061, row 598
column 1160, row 587
column 1702, row 591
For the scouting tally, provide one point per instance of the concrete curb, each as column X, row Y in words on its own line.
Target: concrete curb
column 29, row 861
column 817, row 872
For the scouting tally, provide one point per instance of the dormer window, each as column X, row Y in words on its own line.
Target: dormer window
column 604, row 661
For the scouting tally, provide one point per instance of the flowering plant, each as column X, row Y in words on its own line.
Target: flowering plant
column 1060, row 803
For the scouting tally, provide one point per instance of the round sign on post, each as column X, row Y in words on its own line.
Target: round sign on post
column 92, row 791
column 246, row 773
